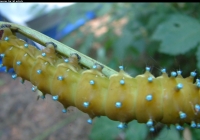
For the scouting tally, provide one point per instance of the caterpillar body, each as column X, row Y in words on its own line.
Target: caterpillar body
column 120, row 97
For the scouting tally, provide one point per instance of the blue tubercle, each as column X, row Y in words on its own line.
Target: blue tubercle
column 148, row 68
column 198, row 83
column 2, row 55
column 43, row 54
column 55, row 98
column 150, row 123
column 66, row 60
column 150, row 79
column 39, row 71
column 193, row 124
column 149, row 97
column 122, row 126
column 173, row 74
column 92, row 82
column 151, row 129
column 86, row 104
column 163, row 70
column 18, row 63
column 121, row 67
column 14, row 76
column 122, row 82
column 42, row 97
column 64, row 110
column 193, row 74
column 26, row 45
column 179, row 72
column 118, row 104
column 182, row 115
column 178, row 127
column 34, row 88
column 94, row 66
column 179, row 86
column 89, row 121
column 197, row 108
column 6, row 38
column 60, row 78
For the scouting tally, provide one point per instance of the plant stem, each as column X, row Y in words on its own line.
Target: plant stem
column 61, row 48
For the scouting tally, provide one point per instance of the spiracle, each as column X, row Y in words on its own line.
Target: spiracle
column 145, row 98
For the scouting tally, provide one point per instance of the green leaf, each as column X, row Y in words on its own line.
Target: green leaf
column 121, row 45
column 169, row 134
column 195, row 134
column 86, row 45
column 198, row 57
column 136, row 131
column 178, row 34
column 104, row 129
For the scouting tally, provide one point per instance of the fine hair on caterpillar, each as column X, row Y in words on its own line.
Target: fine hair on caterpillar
column 145, row 98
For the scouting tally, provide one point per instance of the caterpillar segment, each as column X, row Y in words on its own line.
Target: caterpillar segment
column 145, row 98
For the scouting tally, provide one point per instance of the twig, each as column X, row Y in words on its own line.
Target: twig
column 61, row 48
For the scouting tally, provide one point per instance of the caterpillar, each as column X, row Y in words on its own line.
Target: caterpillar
column 145, row 98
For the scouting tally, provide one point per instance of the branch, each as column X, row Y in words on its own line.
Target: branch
column 61, row 48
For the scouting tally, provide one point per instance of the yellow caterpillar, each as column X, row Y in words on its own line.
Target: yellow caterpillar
column 120, row 97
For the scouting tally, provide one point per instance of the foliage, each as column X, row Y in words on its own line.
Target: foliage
column 135, row 35
column 110, row 131
column 156, row 34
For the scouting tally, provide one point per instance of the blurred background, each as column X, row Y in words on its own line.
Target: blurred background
column 136, row 35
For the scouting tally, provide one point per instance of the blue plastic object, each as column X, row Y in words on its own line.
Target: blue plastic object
column 53, row 31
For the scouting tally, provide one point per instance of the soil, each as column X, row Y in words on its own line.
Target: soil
column 23, row 117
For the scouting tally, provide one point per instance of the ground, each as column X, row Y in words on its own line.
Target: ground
column 22, row 117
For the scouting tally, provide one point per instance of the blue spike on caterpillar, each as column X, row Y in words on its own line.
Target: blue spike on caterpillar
column 120, row 97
